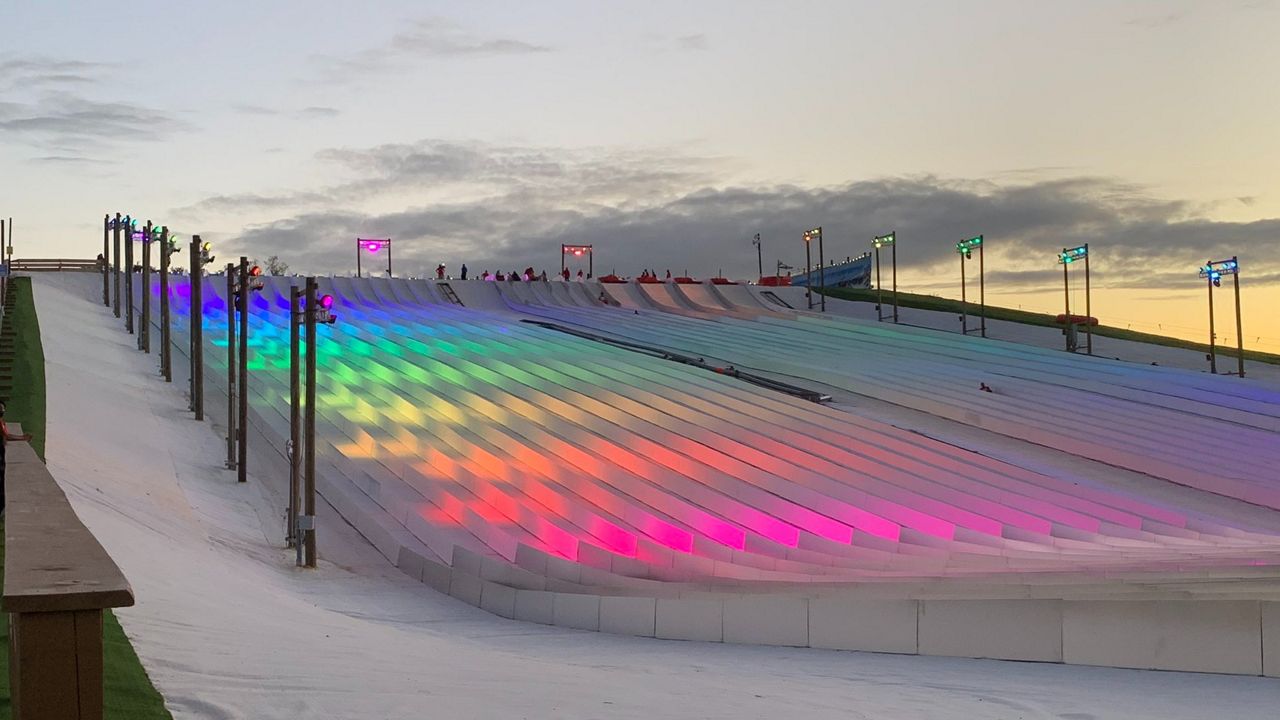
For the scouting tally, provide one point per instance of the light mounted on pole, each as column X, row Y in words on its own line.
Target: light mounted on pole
column 1066, row 259
column 809, row 237
column 759, row 253
column 890, row 241
column 1213, row 272
column 307, row 310
column 242, row 279
column 965, row 249
column 578, row 251
column 373, row 246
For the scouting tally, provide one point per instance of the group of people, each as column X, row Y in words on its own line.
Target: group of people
column 528, row 275
column 652, row 274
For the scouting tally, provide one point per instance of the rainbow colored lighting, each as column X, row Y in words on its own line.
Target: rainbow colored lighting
column 494, row 435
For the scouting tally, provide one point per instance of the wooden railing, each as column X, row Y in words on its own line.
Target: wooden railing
column 53, row 265
column 57, row 581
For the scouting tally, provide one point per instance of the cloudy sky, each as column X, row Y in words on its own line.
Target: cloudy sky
column 667, row 134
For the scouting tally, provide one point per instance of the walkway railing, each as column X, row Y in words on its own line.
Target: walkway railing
column 53, row 265
column 57, row 581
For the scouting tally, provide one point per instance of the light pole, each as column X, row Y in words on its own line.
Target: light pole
column 759, row 254
column 783, row 266
column 144, row 332
column 233, row 294
column 373, row 246
column 578, row 251
column 965, row 249
column 199, row 258
column 115, row 240
column 809, row 235
column 1213, row 272
column 1066, row 258
column 314, row 310
column 106, row 260
column 891, row 241
column 168, row 246
column 808, row 270
column 130, row 237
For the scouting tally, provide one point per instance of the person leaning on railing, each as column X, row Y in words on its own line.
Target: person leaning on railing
column 5, row 437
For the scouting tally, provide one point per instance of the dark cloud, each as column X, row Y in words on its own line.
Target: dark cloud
column 662, row 209
column 72, row 121
column 316, row 112
column 529, row 176
column 42, row 72
column 69, row 160
column 428, row 38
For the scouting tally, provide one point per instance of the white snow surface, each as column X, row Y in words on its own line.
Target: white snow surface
column 228, row 628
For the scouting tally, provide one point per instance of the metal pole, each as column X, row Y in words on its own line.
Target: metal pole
column 822, row 272
column 982, row 286
column 242, row 460
column 879, row 290
column 388, row 257
column 196, row 312
column 808, row 282
column 591, row 263
column 166, row 356
column 106, row 259
column 144, row 332
column 894, row 256
column 759, row 255
column 309, row 430
column 295, row 426
column 1213, row 351
column 128, row 274
column 1088, row 306
column 561, row 260
column 231, row 366
column 357, row 257
column 1239, row 322
column 115, row 240
column 1066, row 292
column 964, row 300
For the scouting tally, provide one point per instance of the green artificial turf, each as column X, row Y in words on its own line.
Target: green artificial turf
column 933, row 302
column 128, row 692
column 26, row 396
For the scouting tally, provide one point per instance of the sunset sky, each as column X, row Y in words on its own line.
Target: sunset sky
column 667, row 134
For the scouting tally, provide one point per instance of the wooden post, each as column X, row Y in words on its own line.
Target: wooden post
column 295, row 429
column 231, row 366
column 128, row 274
column 197, row 329
column 242, row 429
column 309, row 429
column 115, row 259
column 166, row 357
column 106, row 260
